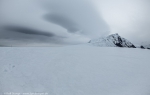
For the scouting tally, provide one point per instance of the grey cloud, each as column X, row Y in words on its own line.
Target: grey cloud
column 21, row 36
column 54, row 17
column 9, row 38
column 28, row 31
column 62, row 21
column 77, row 15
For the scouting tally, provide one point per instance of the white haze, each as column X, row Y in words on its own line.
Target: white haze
column 129, row 18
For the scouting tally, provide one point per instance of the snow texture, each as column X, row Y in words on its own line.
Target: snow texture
column 113, row 40
column 75, row 70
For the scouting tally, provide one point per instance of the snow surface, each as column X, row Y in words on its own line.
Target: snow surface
column 75, row 70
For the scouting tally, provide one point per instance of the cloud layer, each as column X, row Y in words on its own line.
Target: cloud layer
column 62, row 21
column 28, row 31
column 67, row 19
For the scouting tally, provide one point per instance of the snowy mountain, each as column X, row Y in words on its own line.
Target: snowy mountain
column 143, row 46
column 146, row 46
column 113, row 40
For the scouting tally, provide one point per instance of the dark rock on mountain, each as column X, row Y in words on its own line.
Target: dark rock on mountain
column 142, row 47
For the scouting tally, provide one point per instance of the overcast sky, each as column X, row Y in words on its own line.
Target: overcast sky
column 65, row 22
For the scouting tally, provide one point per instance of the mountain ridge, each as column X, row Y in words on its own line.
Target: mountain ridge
column 113, row 40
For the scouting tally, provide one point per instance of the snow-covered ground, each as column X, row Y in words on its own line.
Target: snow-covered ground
column 75, row 70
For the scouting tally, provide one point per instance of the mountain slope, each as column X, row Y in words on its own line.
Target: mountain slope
column 75, row 70
column 147, row 46
column 113, row 40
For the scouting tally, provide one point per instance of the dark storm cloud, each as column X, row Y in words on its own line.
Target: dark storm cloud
column 27, row 31
column 62, row 21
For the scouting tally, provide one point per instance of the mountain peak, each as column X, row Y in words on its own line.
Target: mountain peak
column 113, row 40
column 115, row 34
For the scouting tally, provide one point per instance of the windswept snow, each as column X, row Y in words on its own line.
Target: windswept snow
column 75, row 70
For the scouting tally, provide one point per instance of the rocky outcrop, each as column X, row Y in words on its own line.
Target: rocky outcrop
column 142, row 47
column 147, row 46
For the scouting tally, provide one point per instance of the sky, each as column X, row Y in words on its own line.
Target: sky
column 69, row 22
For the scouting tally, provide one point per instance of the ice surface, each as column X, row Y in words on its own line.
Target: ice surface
column 75, row 70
